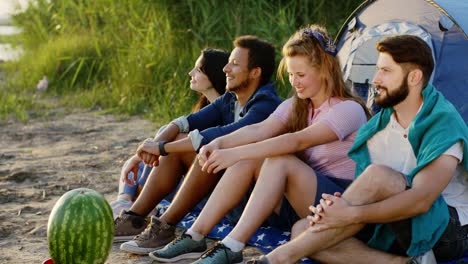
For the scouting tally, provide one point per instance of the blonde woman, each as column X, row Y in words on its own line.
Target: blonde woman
column 294, row 156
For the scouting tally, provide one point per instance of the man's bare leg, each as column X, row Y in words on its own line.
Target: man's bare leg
column 348, row 251
column 197, row 184
column 375, row 184
column 162, row 180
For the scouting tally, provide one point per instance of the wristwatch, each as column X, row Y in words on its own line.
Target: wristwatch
column 162, row 151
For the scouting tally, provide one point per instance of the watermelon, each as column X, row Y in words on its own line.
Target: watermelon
column 80, row 228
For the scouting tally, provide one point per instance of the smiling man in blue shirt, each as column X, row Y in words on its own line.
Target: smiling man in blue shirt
column 251, row 98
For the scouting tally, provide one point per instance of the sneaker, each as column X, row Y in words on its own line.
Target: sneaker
column 183, row 247
column 126, row 226
column 119, row 205
column 156, row 235
column 426, row 258
column 262, row 260
column 220, row 254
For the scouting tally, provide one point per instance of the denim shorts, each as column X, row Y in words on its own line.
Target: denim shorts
column 287, row 217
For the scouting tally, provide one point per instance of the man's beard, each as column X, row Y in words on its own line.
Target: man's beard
column 393, row 98
column 240, row 87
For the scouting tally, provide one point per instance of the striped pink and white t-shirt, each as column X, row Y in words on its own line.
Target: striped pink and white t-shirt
column 344, row 118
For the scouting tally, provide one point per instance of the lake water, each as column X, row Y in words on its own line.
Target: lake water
column 6, row 51
column 8, row 30
column 7, row 7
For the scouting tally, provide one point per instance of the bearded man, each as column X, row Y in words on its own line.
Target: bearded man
column 409, row 201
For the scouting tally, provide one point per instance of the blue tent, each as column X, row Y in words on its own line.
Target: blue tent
column 443, row 24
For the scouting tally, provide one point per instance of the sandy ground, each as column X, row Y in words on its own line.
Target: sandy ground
column 44, row 158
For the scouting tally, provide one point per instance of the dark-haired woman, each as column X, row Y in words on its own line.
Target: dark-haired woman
column 295, row 155
column 207, row 79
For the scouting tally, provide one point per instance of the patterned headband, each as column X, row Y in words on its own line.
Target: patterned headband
column 325, row 42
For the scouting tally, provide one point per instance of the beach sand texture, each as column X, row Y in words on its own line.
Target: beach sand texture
column 45, row 157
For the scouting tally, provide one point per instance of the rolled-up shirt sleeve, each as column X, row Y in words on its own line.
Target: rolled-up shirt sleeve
column 196, row 139
column 182, row 123
column 184, row 127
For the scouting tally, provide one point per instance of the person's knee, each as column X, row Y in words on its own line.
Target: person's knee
column 299, row 227
column 174, row 159
column 382, row 179
column 247, row 167
column 269, row 165
column 242, row 171
column 279, row 162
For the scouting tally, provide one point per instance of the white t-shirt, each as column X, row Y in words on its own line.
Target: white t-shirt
column 237, row 111
column 391, row 147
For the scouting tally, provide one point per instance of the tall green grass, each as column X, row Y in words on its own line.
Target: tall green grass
column 132, row 56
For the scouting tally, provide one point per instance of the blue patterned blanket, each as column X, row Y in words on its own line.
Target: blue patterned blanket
column 266, row 238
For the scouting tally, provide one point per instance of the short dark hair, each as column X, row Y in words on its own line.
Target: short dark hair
column 261, row 54
column 409, row 49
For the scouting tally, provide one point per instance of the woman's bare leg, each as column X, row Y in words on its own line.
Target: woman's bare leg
column 228, row 193
column 279, row 175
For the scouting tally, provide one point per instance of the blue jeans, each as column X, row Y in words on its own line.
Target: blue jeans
column 287, row 217
column 142, row 175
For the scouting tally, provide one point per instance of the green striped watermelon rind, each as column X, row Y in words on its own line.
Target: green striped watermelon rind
column 80, row 228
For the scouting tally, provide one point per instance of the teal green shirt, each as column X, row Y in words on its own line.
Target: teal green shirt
column 435, row 128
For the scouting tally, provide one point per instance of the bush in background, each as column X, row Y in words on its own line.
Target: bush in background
column 132, row 56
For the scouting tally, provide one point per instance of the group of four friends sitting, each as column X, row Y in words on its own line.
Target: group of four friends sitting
column 351, row 188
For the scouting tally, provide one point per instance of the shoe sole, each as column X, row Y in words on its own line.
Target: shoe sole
column 123, row 238
column 192, row 255
column 137, row 250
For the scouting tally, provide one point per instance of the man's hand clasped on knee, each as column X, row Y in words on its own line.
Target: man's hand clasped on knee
column 148, row 152
column 332, row 212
